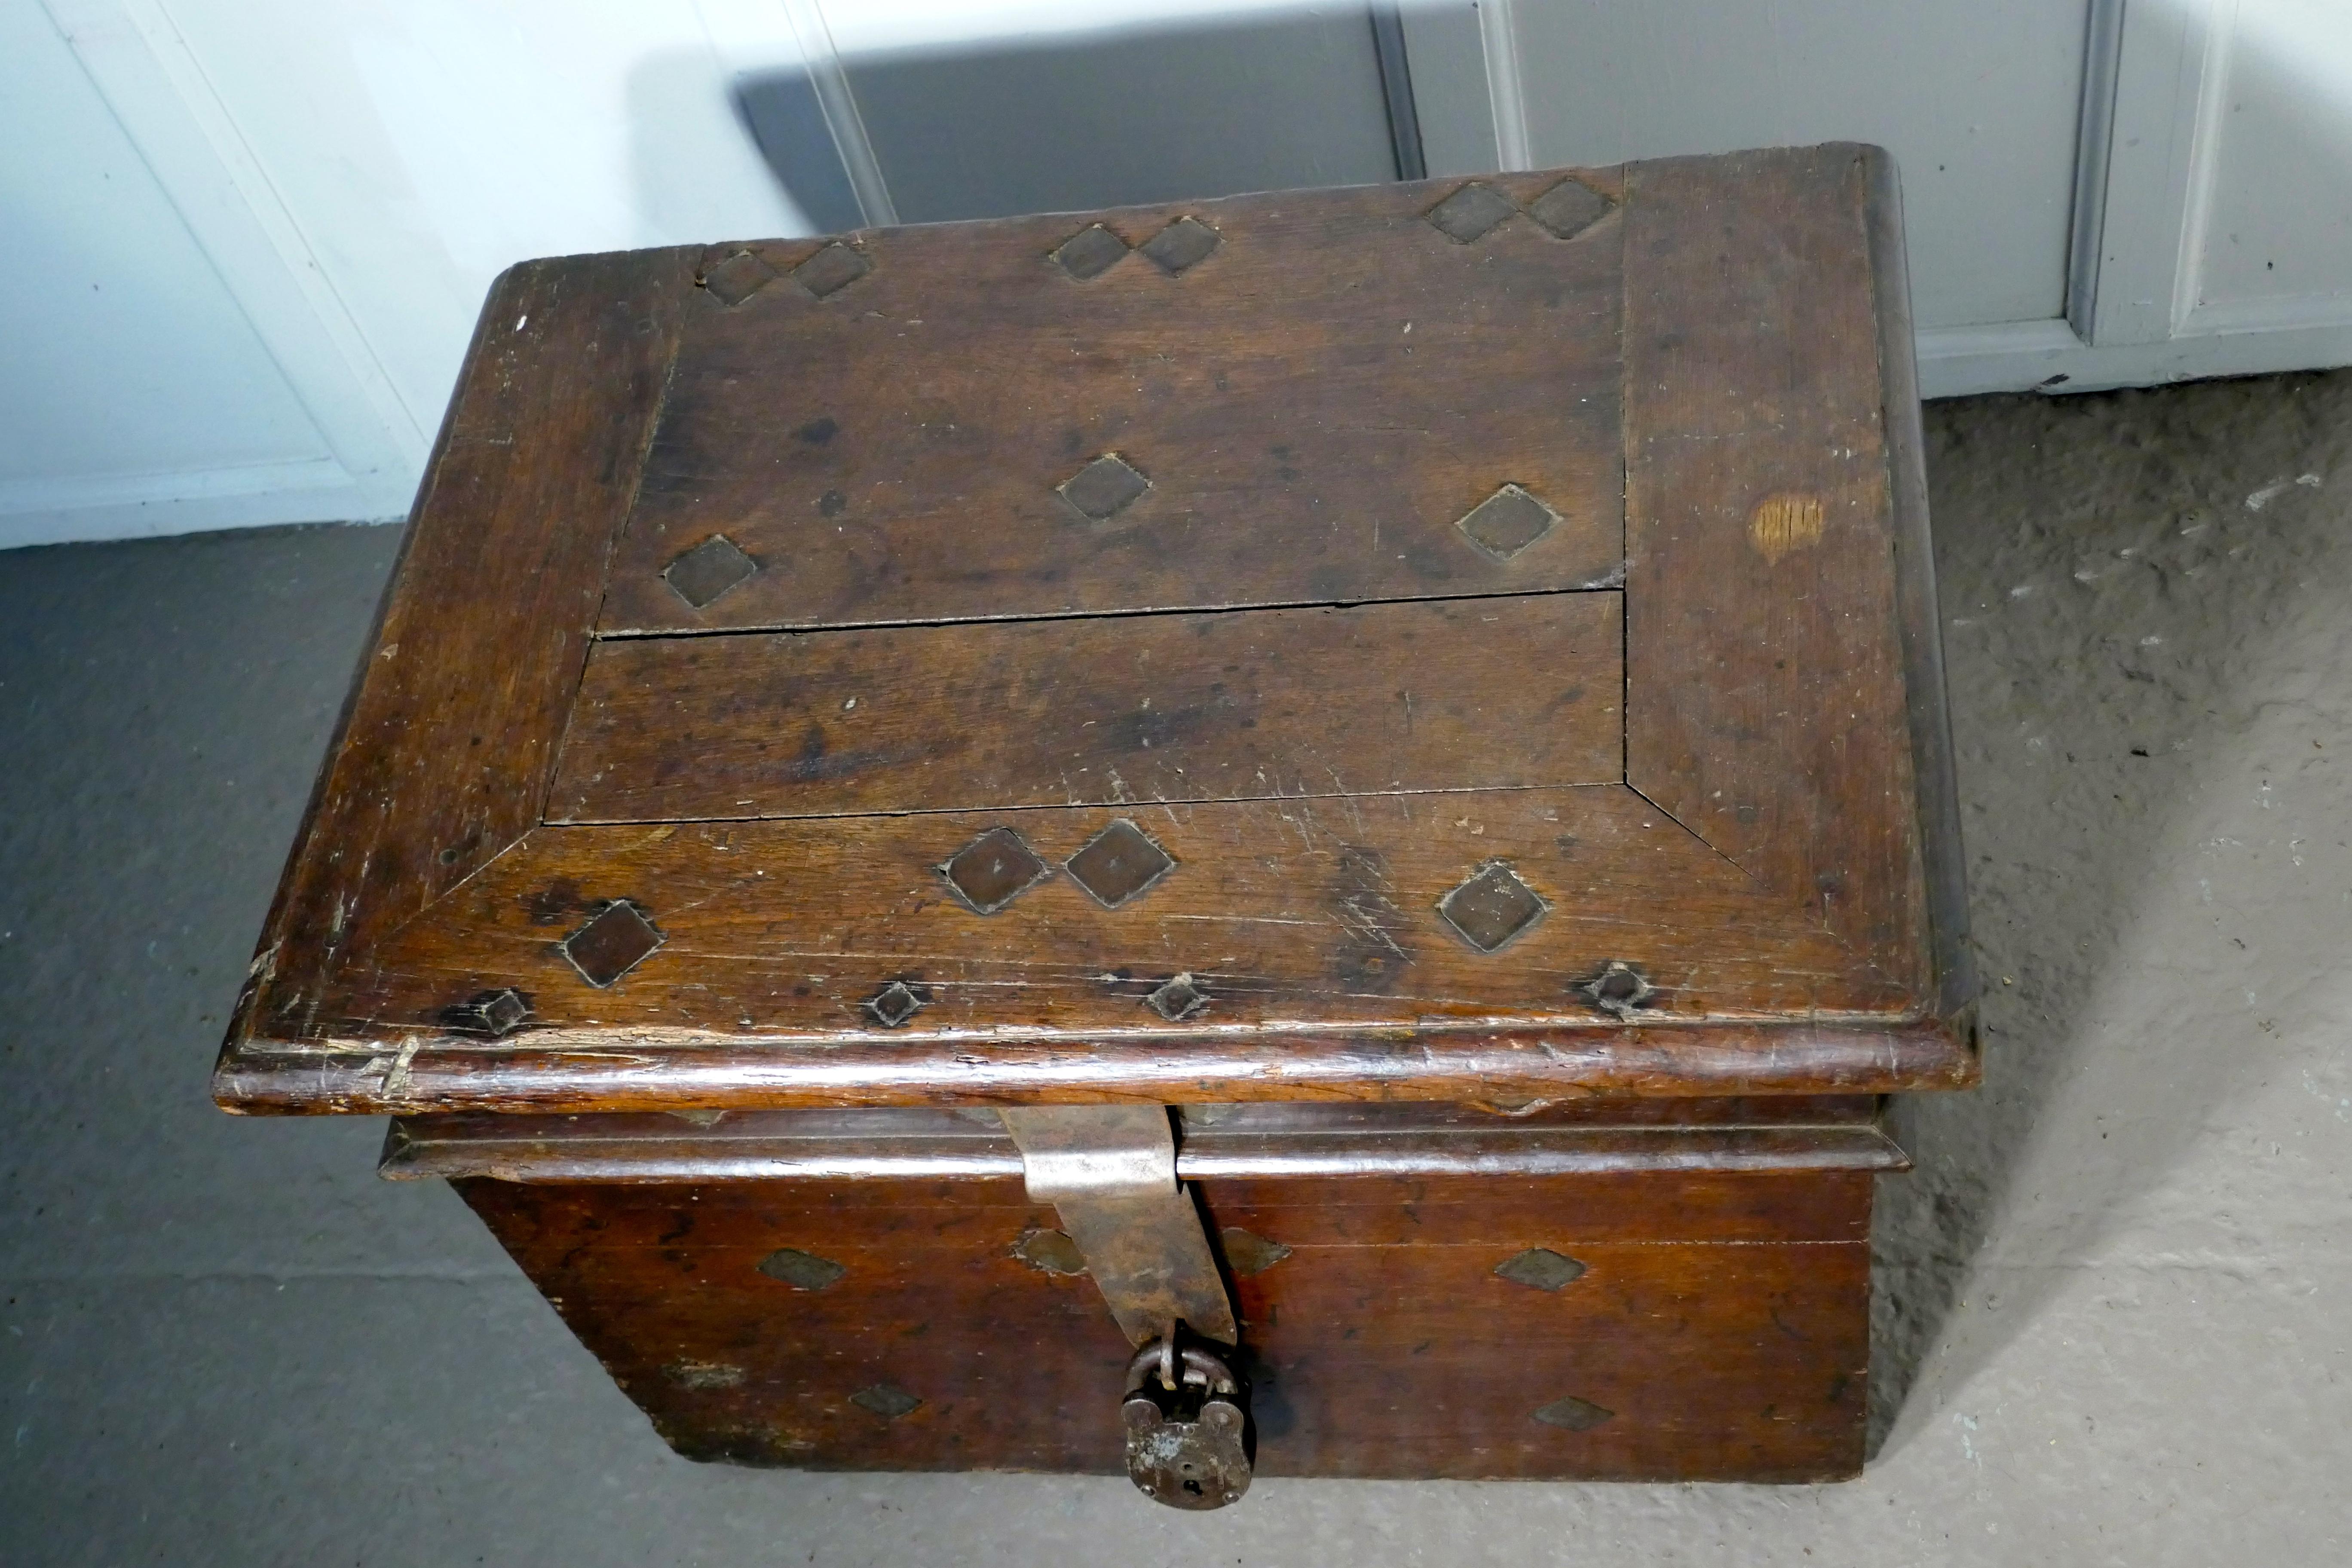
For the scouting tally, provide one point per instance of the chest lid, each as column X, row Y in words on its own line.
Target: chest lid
column 1459, row 640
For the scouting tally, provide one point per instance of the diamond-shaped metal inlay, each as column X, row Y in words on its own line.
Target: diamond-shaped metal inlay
column 618, row 940
column 1119, row 863
column 801, row 1270
column 1180, row 245
column 738, row 277
column 835, row 267
column 1569, row 208
column 1492, row 907
column 1541, row 1267
column 1617, row 989
column 1471, row 211
column 1573, row 1415
column 895, row 1004
column 1178, row 998
column 1248, row 1253
column 1050, row 1252
column 993, row 869
column 497, row 1013
column 709, row 569
column 1091, row 252
column 886, row 1400
column 1104, row 488
column 1506, row 522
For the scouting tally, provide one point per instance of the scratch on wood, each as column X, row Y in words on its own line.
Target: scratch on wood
column 396, row 1075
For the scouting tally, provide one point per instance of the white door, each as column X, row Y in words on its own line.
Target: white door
column 2097, row 193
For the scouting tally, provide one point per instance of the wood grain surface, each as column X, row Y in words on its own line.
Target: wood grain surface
column 759, row 820
column 1935, row 774
column 634, row 1070
column 1719, row 1325
column 1314, row 404
column 1765, row 701
column 1217, row 1141
column 445, row 751
column 1475, row 694
column 1293, row 915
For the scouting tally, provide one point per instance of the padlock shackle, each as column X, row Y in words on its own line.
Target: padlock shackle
column 1200, row 1365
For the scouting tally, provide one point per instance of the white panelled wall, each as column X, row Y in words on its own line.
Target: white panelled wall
column 245, row 240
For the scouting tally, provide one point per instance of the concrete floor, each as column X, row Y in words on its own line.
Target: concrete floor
column 2116, row 1299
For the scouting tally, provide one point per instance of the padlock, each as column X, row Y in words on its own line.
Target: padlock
column 1187, row 1425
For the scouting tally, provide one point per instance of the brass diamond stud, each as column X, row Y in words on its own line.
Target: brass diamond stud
column 895, row 1004
column 1574, row 1414
column 1178, row 998
column 1050, row 1252
column 1541, row 1267
column 1089, row 253
column 500, row 1011
column 886, row 1400
column 497, row 1014
column 1617, row 989
column 1248, row 1253
column 738, row 277
column 1470, row 212
column 993, row 869
column 1104, row 488
column 709, row 570
column 617, row 940
column 801, row 1270
column 1182, row 244
column 1492, row 907
column 1506, row 522
column 1569, row 208
column 1119, row 863
column 835, row 268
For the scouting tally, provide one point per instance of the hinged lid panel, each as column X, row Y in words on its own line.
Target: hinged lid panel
column 1300, row 406
column 781, row 704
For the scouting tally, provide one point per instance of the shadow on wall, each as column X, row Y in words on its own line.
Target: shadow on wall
column 1138, row 115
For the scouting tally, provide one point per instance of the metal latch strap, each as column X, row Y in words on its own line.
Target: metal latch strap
column 1109, row 1171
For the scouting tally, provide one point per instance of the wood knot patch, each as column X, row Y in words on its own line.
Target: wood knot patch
column 1784, row 522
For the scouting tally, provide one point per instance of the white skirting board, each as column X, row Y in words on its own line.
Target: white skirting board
column 2047, row 356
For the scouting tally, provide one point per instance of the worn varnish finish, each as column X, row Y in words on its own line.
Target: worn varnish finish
column 1756, row 856
column 636, row 1071
column 1771, row 721
column 1440, row 683
column 447, row 745
column 1314, row 404
column 1783, row 1132
column 1383, row 698
column 1282, row 910
column 1719, row 1324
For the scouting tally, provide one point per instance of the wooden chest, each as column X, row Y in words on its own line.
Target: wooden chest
column 1414, row 712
